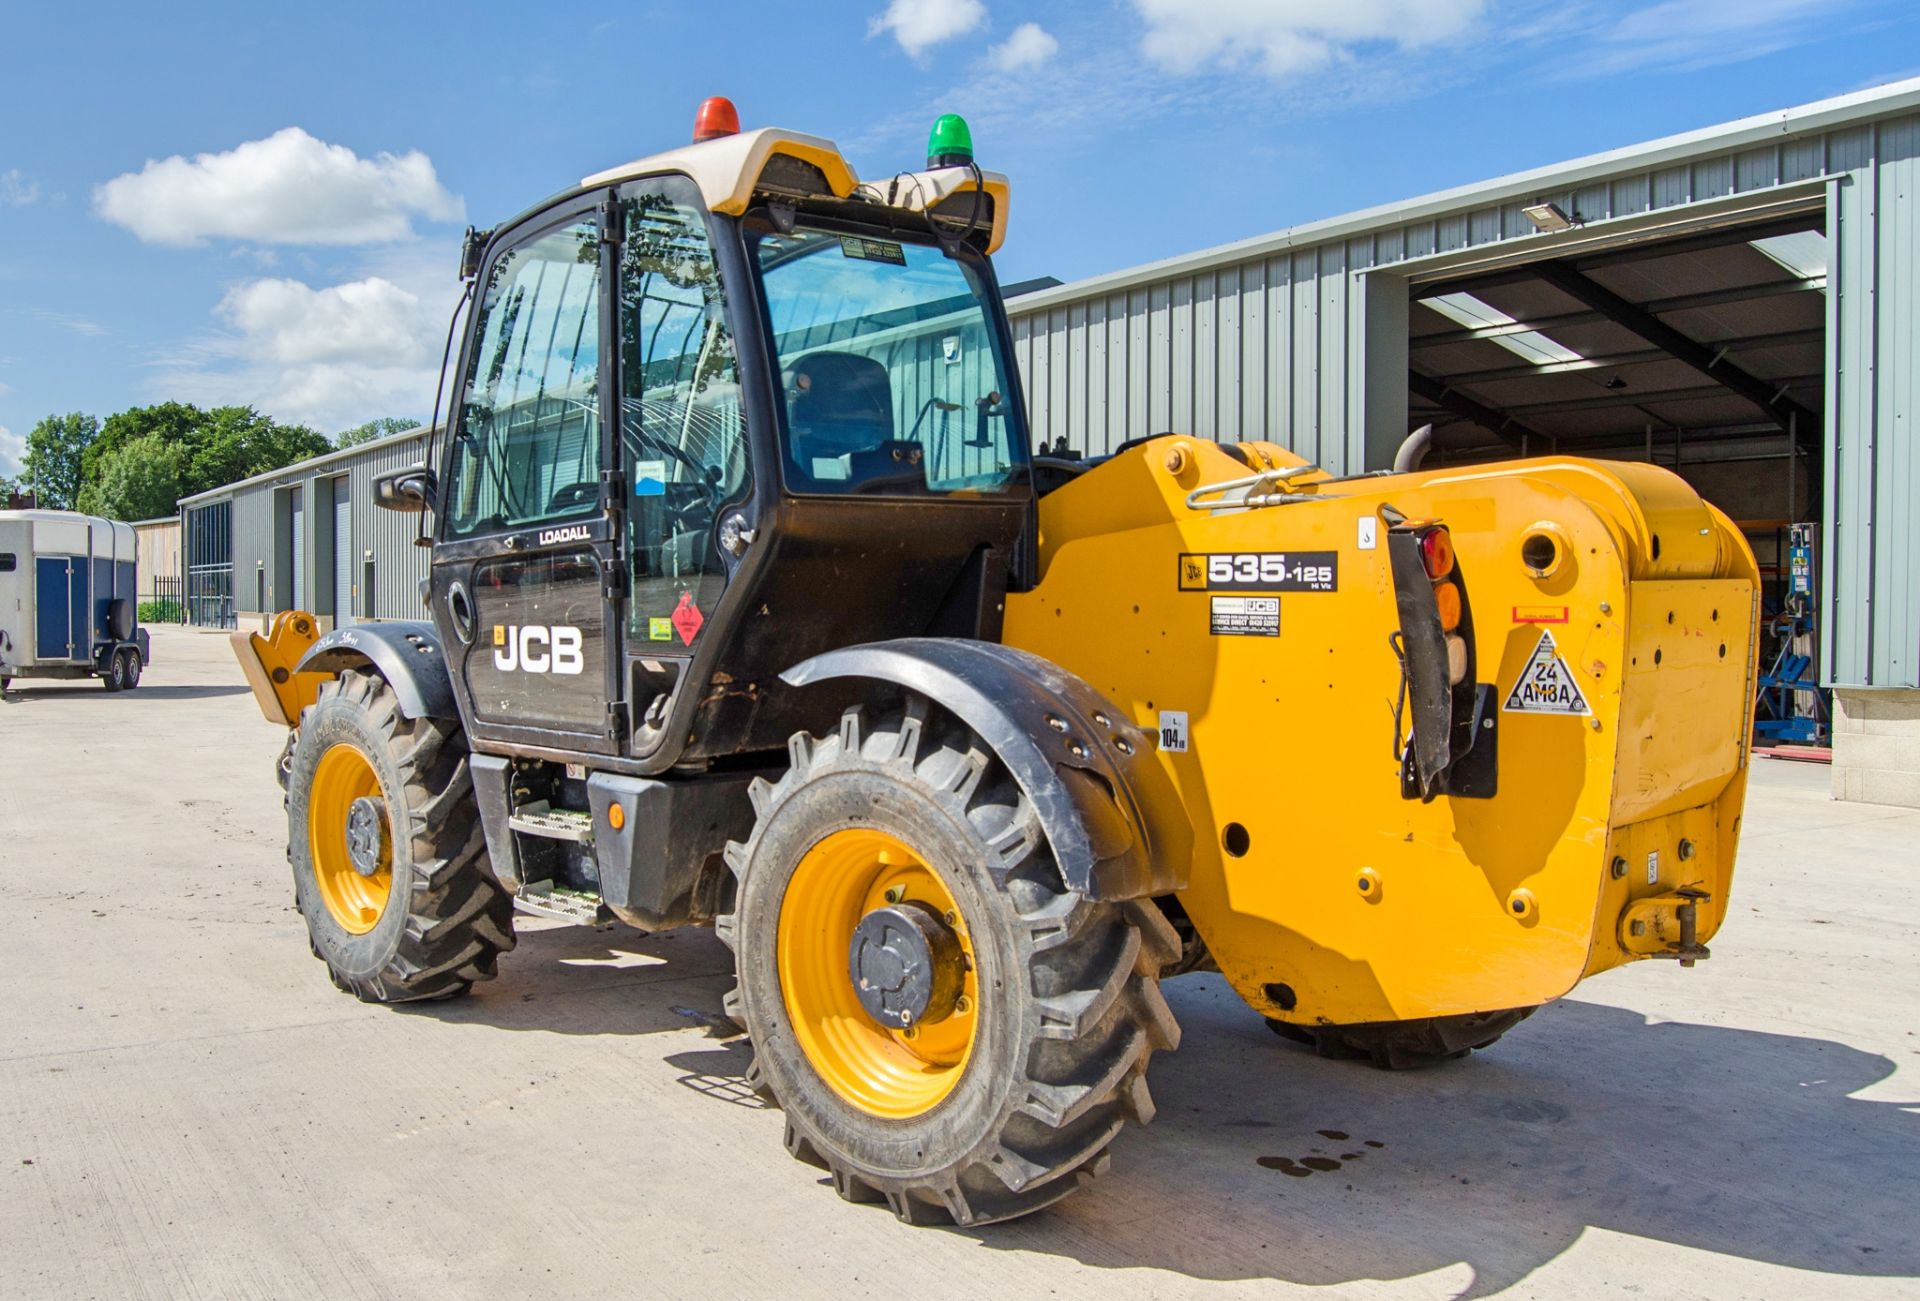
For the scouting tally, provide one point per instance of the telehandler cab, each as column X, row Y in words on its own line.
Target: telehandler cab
column 750, row 608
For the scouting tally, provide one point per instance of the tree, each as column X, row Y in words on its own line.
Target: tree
column 139, row 481
column 384, row 427
column 236, row 442
column 55, row 452
column 173, row 422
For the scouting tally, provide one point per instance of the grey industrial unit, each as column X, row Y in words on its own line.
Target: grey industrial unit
column 1740, row 303
column 305, row 537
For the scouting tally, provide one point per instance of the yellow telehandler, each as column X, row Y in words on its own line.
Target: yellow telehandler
column 750, row 607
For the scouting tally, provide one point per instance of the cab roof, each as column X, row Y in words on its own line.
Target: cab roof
column 729, row 170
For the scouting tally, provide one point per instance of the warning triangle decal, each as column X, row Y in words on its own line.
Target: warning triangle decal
column 1546, row 685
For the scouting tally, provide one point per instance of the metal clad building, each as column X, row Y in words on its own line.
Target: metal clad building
column 1302, row 336
column 240, row 544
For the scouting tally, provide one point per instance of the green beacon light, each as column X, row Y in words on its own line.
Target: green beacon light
column 949, row 144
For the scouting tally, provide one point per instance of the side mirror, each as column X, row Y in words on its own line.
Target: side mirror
column 408, row 491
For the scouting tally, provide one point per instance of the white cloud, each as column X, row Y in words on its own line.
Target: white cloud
column 13, row 452
column 330, row 356
column 16, row 191
column 286, row 189
column 919, row 25
column 1700, row 33
column 70, row 321
column 371, row 320
column 1291, row 36
column 1029, row 46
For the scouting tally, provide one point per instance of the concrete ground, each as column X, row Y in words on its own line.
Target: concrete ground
column 188, row 1107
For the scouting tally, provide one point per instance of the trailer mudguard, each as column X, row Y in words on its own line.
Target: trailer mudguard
column 1109, row 810
column 406, row 653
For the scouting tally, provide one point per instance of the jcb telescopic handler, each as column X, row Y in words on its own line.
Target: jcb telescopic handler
column 751, row 608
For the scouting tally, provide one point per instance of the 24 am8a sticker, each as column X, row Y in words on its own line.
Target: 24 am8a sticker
column 1546, row 684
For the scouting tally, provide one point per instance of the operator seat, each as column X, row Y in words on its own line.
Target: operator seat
column 839, row 404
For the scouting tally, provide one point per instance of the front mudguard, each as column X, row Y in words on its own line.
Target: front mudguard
column 1110, row 811
column 407, row 654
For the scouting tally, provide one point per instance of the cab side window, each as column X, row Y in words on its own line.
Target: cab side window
column 526, row 445
column 683, row 438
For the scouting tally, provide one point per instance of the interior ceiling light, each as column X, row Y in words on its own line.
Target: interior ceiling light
column 1548, row 218
column 1465, row 309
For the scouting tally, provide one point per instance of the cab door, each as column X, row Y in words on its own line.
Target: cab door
column 682, row 442
column 526, row 539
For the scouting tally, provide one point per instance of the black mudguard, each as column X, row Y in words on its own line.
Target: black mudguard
column 1108, row 807
column 407, row 654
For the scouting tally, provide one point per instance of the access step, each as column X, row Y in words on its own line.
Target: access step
column 545, row 899
column 539, row 819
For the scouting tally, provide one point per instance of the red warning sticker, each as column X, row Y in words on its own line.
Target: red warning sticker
column 687, row 618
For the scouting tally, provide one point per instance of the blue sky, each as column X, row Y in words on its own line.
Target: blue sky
column 253, row 203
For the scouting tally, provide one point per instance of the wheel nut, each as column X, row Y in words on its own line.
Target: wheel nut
column 962, row 1004
column 895, row 894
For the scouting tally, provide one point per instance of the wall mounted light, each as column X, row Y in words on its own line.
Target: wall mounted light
column 1548, row 218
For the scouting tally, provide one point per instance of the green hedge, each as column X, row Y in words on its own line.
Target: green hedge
column 162, row 611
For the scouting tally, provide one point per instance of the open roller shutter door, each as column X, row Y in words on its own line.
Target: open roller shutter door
column 297, row 590
column 342, row 554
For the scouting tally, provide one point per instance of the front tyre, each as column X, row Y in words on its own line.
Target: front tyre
column 949, row 1027
column 389, row 862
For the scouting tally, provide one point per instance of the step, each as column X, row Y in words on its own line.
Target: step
column 545, row 899
column 554, row 824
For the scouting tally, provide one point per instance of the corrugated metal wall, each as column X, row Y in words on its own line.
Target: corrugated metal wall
column 1270, row 340
column 1871, row 617
column 261, row 520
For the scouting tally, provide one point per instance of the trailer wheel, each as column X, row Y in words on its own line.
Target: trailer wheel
column 1405, row 1045
column 114, row 676
column 133, row 668
column 950, row 1028
column 389, row 863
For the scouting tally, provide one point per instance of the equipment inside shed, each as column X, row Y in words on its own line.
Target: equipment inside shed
column 1704, row 351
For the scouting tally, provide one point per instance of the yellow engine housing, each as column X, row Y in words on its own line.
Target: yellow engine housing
column 1349, row 903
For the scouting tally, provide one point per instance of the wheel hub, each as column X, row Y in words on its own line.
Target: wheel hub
column 366, row 835
column 906, row 965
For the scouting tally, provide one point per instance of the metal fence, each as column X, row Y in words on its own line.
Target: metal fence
column 164, row 601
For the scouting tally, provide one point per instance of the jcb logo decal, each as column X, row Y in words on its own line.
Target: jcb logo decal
column 532, row 648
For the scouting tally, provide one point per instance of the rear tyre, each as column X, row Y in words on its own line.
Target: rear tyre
column 133, row 668
column 115, row 676
column 1040, row 1008
column 389, row 863
column 1405, row 1045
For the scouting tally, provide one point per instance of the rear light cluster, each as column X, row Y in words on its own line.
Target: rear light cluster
column 1436, row 555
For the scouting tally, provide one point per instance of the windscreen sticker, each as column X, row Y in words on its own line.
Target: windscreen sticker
column 1260, row 571
column 649, row 478
column 687, row 618
column 1546, row 684
column 659, row 628
column 1245, row 616
column 1173, row 730
column 873, row 250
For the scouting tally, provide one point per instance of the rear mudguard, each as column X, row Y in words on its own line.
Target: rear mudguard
column 1107, row 805
column 406, row 654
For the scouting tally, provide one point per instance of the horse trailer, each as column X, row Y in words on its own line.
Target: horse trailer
column 67, row 599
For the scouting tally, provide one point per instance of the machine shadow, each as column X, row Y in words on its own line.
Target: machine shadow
column 598, row 980
column 1267, row 1161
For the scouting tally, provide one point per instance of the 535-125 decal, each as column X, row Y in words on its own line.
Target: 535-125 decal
column 1259, row 571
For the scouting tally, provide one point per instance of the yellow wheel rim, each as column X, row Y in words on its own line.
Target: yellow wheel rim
column 880, row 1070
column 356, row 899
